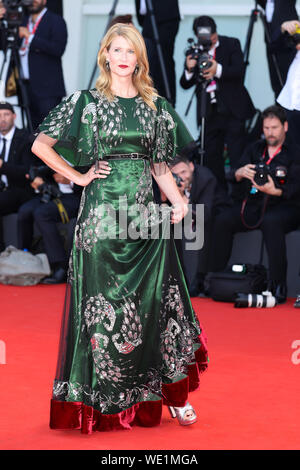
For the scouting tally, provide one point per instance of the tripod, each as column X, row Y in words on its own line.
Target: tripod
column 255, row 14
column 156, row 38
column 203, row 108
column 14, row 65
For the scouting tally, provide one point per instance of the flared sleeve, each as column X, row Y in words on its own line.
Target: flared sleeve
column 73, row 123
column 171, row 136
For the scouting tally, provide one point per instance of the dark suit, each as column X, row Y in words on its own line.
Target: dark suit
column 18, row 190
column 204, row 190
column 284, row 10
column 167, row 18
column 56, row 6
column 46, row 216
column 225, row 120
column 46, row 85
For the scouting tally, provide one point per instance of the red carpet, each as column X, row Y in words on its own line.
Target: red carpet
column 249, row 397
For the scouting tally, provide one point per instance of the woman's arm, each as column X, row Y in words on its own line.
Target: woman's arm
column 167, row 184
column 43, row 148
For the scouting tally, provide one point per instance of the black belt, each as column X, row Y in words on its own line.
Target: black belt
column 132, row 156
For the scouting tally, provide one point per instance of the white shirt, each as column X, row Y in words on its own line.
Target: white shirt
column 289, row 97
column 188, row 75
column 8, row 137
column 269, row 10
column 24, row 50
column 143, row 7
column 66, row 188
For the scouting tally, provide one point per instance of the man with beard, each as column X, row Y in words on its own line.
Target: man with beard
column 198, row 186
column 272, row 205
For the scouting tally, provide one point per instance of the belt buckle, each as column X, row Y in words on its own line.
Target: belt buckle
column 135, row 156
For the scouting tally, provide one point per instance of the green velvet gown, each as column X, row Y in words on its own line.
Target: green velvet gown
column 130, row 341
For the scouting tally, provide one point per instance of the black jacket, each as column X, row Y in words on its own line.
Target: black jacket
column 284, row 10
column 164, row 12
column 45, row 53
column 20, row 159
column 289, row 157
column 232, row 96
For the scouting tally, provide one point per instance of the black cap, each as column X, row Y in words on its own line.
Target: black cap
column 5, row 105
column 205, row 21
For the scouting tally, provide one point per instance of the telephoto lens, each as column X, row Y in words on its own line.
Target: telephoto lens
column 255, row 300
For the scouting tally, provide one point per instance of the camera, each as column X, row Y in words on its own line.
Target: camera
column 48, row 190
column 178, row 180
column 12, row 19
column 261, row 174
column 255, row 300
column 42, row 171
column 199, row 50
column 262, row 171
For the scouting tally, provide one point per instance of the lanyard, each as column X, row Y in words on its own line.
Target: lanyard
column 278, row 150
column 31, row 30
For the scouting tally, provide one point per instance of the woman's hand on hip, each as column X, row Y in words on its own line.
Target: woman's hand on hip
column 179, row 211
column 102, row 171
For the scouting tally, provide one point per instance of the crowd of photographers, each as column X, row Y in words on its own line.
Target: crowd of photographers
column 262, row 183
column 259, row 187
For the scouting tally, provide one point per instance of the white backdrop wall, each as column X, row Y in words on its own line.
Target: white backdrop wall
column 87, row 19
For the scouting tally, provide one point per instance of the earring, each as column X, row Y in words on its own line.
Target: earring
column 136, row 70
column 107, row 65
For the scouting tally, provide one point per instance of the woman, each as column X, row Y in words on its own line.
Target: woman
column 130, row 341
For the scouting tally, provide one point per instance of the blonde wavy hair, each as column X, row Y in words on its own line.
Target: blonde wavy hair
column 141, row 80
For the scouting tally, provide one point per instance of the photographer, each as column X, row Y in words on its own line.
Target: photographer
column 265, row 197
column 43, row 39
column 289, row 97
column 228, row 102
column 15, row 160
column 57, row 200
column 197, row 185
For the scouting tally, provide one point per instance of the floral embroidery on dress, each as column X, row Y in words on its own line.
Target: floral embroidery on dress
column 146, row 119
column 97, row 310
column 163, row 142
column 131, row 329
column 178, row 334
column 144, row 187
column 55, row 125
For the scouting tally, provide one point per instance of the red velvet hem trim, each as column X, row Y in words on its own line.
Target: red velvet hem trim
column 77, row 415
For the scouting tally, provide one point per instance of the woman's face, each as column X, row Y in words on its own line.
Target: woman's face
column 121, row 57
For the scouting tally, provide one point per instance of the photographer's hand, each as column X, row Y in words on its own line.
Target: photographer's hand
column 1, row 162
column 24, row 32
column 208, row 74
column 190, row 63
column 246, row 171
column 269, row 188
column 58, row 178
column 290, row 26
column 37, row 182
